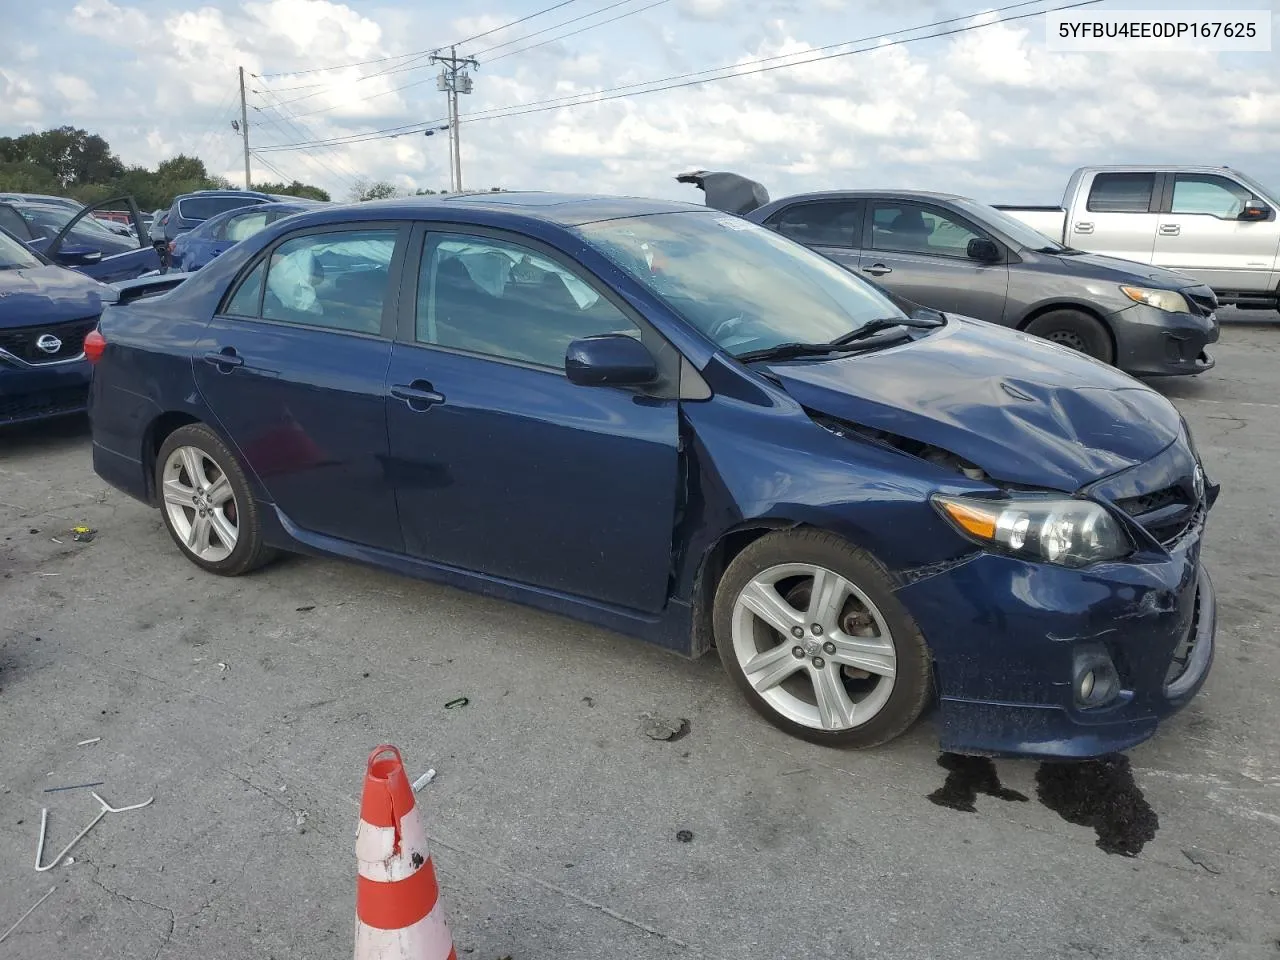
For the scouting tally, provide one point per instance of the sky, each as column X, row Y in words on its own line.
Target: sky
column 987, row 112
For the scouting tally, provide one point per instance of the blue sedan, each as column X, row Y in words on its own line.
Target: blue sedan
column 682, row 426
column 213, row 237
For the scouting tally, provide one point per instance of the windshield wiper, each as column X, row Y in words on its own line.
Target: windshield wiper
column 842, row 344
column 885, row 323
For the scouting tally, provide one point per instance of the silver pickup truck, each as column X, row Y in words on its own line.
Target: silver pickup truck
column 1212, row 223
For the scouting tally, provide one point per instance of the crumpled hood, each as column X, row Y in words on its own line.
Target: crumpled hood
column 1024, row 410
column 43, row 295
column 1098, row 266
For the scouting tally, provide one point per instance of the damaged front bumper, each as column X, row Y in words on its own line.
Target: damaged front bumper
column 1013, row 641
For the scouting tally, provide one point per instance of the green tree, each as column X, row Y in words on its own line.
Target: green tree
column 71, row 155
column 294, row 189
column 363, row 190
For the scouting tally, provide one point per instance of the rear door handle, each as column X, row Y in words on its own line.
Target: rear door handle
column 419, row 395
column 1170, row 229
column 877, row 269
column 226, row 357
column 1084, row 226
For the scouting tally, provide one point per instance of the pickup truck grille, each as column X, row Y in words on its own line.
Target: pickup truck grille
column 1166, row 514
column 24, row 343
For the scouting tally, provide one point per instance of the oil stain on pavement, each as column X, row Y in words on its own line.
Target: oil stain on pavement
column 1101, row 794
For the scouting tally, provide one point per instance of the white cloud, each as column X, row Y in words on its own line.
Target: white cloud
column 989, row 112
column 74, row 89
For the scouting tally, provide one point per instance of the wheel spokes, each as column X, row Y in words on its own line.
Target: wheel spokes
column 766, row 603
column 871, row 654
column 835, row 707
column 826, row 600
column 219, row 492
column 766, row 670
column 198, row 535
column 193, row 463
column 227, row 531
column 178, row 493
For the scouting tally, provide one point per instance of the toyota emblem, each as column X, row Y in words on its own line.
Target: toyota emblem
column 1197, row 483
column 48, row 343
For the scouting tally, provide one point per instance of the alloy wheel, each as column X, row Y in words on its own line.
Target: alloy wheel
column 201, row 504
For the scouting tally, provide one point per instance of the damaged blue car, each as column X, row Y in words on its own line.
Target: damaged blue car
column 682, row 426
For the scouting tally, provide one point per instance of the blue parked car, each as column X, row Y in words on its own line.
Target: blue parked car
column 45, row 313
column 80, row 241
column 215, row 236
column 682, row 426
column 190, row 210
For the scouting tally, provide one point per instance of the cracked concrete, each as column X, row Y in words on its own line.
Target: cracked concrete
column 553, row 821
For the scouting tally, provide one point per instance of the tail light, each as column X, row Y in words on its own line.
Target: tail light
column 94, row 345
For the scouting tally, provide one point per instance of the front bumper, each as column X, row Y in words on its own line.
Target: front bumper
column 1157, row 343
column 42, row 391
column 1007, row 637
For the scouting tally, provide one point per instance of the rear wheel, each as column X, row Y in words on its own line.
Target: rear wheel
column 1075, row 330
column 809, row 629
column 206, row 502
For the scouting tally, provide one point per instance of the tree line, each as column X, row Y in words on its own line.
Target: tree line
column 70, row 162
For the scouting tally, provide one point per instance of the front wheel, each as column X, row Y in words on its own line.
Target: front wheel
column 809, row 629
column 206, row 502
column 1075, row 330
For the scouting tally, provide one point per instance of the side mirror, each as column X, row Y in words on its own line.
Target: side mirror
column 613, row 359
column 1255, row 210
column 980, row 248
column 78, row 256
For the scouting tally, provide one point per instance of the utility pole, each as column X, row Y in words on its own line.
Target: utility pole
column 244, row 131
column 454, row 80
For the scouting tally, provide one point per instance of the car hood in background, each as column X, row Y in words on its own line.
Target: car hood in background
column 49, row 294
column 1024, row 410
column 1097, row 266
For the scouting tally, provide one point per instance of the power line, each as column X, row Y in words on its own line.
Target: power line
column 349, row 177
column 670, row 83
column 574, row 33
column 536, row 33
column 420, row 54
column 510, row 53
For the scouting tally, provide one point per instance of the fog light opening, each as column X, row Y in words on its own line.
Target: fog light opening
column 1096, row 681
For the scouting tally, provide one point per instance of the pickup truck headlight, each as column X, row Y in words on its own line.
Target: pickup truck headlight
column 1067, row 532
column 1169, row 300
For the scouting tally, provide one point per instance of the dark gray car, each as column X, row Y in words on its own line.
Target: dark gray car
column 957, row 255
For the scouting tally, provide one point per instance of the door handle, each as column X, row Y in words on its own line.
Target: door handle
column 418, row 396
column 1084, row 226
column 877, row 269
column 1170, row 229
column 224, row 358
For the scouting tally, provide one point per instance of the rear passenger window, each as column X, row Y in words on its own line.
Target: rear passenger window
column 1121, row 193
column 819, row 224
column 337, row 279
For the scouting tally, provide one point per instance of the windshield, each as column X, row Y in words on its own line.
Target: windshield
column 1013, row 228
column 744, row 286
column 14, row 255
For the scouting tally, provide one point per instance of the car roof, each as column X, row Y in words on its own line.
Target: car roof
column 867, row 194
column 564, row 209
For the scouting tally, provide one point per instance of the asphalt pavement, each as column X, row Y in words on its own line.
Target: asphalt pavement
column 247, row 708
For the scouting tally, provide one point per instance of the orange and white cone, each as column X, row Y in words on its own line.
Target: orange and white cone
column 398, row 911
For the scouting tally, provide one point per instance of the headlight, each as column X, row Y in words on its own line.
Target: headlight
column 1071, row 533
column 1160, row 299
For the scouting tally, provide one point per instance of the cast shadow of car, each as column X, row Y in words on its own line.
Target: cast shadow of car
column 44, row 436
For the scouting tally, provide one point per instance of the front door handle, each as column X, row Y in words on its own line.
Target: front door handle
column 877, row 269
column 419, row 395
column 1084, row 226
column 1170, row 229
column 224, row 359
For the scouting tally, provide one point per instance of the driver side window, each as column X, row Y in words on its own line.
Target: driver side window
column 912, row 228
column 506, row 300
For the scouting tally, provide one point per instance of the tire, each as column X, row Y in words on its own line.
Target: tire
column 782, row 568
column 230, row 509
column 1075, row 330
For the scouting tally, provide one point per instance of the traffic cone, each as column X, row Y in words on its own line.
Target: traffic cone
column 398, row 911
